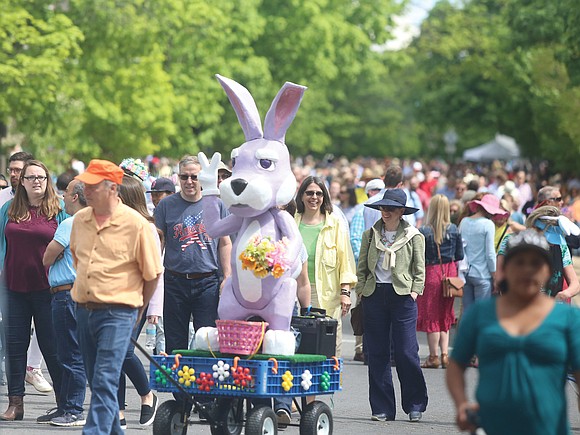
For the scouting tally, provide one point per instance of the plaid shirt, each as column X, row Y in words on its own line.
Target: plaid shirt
column 357, row 227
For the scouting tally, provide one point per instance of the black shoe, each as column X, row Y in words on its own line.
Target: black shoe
column 148, row 413
column 123, row 422
column 50, row 414
column 360, row 357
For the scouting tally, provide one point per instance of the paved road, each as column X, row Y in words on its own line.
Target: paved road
column 350, row 407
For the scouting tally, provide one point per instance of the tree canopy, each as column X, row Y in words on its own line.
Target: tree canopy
column 119, row 78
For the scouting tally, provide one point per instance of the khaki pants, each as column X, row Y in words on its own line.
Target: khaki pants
column 335, row 313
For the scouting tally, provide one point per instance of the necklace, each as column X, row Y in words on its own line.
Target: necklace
column 388, row 237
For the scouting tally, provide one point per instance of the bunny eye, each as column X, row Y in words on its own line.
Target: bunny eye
column 233, row 162
column 266, row 164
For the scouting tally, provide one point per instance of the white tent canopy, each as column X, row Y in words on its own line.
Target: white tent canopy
column 501, row 148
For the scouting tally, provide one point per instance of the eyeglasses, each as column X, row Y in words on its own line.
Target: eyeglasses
column 33, row 178
column 318, row 193
column 388, row 209
column 13, row 170
column 558, row 199
column 224, row 176
column 185, row 177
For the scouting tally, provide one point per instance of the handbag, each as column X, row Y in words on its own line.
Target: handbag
column 356, row 319
column 452, row 287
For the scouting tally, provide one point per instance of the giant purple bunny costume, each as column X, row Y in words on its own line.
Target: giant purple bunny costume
column 261, row 180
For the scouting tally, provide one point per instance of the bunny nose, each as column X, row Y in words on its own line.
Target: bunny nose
column 238, row 185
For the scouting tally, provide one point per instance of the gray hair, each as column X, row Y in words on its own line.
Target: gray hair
column 188, row 160
column 79, row 190
column 546, row 192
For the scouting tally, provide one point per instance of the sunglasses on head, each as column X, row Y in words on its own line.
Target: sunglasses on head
column 185, row 177
column 318, row 193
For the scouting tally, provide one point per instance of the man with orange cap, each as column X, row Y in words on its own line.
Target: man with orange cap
column 113, row 251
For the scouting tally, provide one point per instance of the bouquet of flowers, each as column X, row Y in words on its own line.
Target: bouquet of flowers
column 263, row 256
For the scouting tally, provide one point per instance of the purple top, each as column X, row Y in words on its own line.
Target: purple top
column 26, row 243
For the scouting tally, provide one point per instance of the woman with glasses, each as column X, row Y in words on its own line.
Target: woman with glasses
column 29, row 222
column 563, row 283
column 391, row 274
column 331, row 267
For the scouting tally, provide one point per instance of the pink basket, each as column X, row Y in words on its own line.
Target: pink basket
column 240, row 337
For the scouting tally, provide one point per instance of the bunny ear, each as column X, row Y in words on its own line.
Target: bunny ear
column 282, row 111
column 244, row 106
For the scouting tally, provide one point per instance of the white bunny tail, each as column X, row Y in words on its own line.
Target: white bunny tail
column 244, row 106
column 283, row 111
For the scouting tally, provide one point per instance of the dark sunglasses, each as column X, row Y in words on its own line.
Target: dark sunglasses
column 185, row 177
column 318, row 193
column 388, row 209
column 558, row 199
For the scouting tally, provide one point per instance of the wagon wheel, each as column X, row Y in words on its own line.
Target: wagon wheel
column 228, row 417
column 262, row 420
column 316, row 419
column 170, row 419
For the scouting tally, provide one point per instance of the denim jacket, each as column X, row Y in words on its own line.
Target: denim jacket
column 451, row 248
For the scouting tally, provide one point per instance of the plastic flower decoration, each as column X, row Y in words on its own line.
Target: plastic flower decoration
column 135, row 168
column 263, row 256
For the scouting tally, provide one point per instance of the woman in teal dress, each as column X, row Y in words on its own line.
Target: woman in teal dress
column 525, row 342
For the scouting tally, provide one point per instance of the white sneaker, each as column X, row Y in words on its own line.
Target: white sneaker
column 35, row 378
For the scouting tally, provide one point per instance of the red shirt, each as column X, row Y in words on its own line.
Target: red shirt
column 25, row 245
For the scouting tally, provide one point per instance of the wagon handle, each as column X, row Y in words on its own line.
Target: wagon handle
column 176, row 365
column 337, row 365
column 275, row 368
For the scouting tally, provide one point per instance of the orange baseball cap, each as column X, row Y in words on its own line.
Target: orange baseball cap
column 99, row 170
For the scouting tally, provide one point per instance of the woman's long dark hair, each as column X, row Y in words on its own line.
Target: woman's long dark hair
column 326, row 206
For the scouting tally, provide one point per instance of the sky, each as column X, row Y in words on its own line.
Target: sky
column 407, row 25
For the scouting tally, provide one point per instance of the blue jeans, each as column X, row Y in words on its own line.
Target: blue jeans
column 18, row 313
column 475, row 289
column 133, row 367
column 74, row 380
column 104, row 336
column 185, row 298
column 386, row 315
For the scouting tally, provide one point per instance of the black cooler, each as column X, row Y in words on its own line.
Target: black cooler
column 317, row 332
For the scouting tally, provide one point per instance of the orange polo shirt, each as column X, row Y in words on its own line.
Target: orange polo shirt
column 114, row 261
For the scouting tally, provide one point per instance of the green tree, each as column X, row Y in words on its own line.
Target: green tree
column 37, row 46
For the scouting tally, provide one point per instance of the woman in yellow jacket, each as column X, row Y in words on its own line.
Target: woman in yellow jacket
column 331, row 266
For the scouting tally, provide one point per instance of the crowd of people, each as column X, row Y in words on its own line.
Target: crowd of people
column 390, row 231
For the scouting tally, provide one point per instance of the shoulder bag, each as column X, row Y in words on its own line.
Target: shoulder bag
column 452, row 287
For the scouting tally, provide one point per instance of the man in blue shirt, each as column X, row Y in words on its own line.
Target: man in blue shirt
column 61, row 277
column 192, row 259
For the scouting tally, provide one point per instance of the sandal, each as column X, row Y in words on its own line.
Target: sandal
column 431, row 363
column 444, row 360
